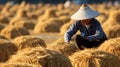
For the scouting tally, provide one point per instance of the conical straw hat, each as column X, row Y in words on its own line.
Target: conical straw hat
column 84, row 12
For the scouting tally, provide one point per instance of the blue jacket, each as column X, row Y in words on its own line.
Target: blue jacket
column 93, row 32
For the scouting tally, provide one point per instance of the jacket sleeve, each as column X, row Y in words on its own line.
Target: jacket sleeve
column 98, row 35
column 69, row 33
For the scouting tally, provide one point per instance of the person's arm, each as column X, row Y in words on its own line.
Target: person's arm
column 69, row 33
column 98, row 35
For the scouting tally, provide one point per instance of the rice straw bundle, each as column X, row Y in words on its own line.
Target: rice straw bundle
column 4, row 19
column 65, row 27
column 6, row 49
column 24, row 23
column 13, row 31
column 28, row 41
column 48, row 26
column 111, row 46
column 64, row 48
column 94, row 58
column 17, row 65
column 41, row 56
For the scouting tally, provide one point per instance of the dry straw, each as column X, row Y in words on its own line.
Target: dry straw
column 64, row 48
column 65, row 27
column 1, row 27
column 49, row 13
column 111, row 46
column 13, row 31
column 113, row 20
column 51, row 25
column 24, row 23
column 40, row 56
column 94, row 58
column 101, row 18
column 6, row 49
column 17, row 65
column 3, row 37
column 4, row 19
column 113, row 31
column 28, row 41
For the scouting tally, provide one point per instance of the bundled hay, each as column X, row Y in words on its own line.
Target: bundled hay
column 113, row 31
column 6, row 8
column 13, row 31
column 6, row 49
column 64, row 48
column 1, row 27
column 22, row 13
column 24, row 23
column 49, row 13
column 14, row 8
column 101, row 18
column 65, row 27
column 16, row 19
column 48, row 26
column 113, row 20
column 55, row 20
column 28, row 41
column 62, row 13
column 40, row 56
column 3, row 37
column 4, row 20
column 111, row 46
column 94, row 58
column 64, row 19
column 17, row 65
column 60, row 7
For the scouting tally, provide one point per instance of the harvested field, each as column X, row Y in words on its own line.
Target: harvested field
column 31, row 35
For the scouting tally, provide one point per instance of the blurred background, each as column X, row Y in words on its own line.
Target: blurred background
column 56, row 1
column 44, row 18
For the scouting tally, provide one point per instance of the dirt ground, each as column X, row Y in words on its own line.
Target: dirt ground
column 49, row 37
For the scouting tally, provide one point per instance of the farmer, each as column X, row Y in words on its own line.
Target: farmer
column 92, row 34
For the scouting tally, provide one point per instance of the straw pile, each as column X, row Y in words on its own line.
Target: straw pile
column 49, row 13
column 112, row 46
column 1, row 27
column 40, row 56
column 48, row 26
column 113, row 20
column 13, row 31
column 94, row 58
column 4, row 19
column 24, row 23
column 101, row 18
column 65, row 27
column 6, row 49
column 114, row 31
column 28, row 41
column 60, row 7
column 3, row 37
column 21, row 13
column 64, row 19
column 62, row 47
column 17, row 65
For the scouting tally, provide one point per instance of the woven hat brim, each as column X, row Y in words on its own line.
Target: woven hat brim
column 83, row 14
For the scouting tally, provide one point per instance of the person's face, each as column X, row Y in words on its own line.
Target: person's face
column 86, row 22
